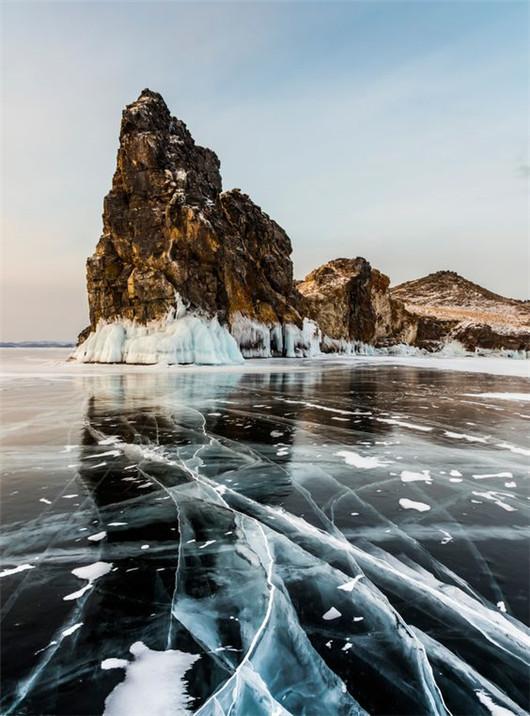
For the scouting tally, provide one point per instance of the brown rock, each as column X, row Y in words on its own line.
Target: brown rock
column 450, row 307
column 168, row 228
column 351, row 302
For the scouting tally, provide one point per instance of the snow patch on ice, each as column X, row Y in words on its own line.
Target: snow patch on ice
column 500, row 396
column 114, row 663
column 409, row 476
column 494, row 709
column 349, row 586
column 72, row 629
column 97, row 537
column 356, row 460
column 463, row 436
column 91, row 572
column 402, row 424
column 494, row 497
column 492, row 474
column 513, row 448
column 407, row 504
column 16, row 570
column 154, row 683
column 331, row 614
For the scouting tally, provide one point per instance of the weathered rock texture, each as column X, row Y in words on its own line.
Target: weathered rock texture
column 168, row 227
column 351, row 302
column 449, row 307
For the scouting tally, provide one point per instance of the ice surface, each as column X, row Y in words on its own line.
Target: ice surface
column 245, row 550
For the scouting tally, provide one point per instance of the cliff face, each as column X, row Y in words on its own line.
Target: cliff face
column 351, row 301
column 168, row 227
column 449, row 307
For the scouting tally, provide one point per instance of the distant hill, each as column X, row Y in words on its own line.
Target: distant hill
column 447, row 295
column 36, row 344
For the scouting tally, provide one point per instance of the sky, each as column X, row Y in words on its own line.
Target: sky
column 397, row 131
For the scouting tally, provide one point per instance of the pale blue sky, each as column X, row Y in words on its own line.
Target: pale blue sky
column 396, row 130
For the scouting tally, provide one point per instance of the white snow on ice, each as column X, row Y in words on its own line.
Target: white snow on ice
column 72, row 629
column 97, row 537
column 500, row 396
column 349, row 586
column 409, row 476
column 407, row 504
column 154, row 683
column 356, row 460
column 331, row 614
column 15, row 570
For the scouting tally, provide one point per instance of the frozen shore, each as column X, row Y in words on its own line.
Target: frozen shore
column 50, row 362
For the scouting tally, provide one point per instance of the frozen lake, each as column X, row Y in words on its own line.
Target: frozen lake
column 286, row 537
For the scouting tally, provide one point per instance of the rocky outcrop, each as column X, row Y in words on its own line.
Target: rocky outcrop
column 184, row 272
column 168, row 228
column 351, row 302
column 448, row 307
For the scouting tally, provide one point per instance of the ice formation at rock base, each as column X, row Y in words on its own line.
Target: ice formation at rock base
column 194, row 338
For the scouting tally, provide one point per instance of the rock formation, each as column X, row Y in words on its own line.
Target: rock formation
column 351, row 302
column 448, row 307
column 169, row 229
column 184, row 272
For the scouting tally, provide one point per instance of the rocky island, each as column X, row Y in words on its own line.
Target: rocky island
column 185, row 272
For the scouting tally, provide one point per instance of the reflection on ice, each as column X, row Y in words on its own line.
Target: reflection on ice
column 219, row 544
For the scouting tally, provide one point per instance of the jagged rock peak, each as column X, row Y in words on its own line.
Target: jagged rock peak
column 168, row 228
